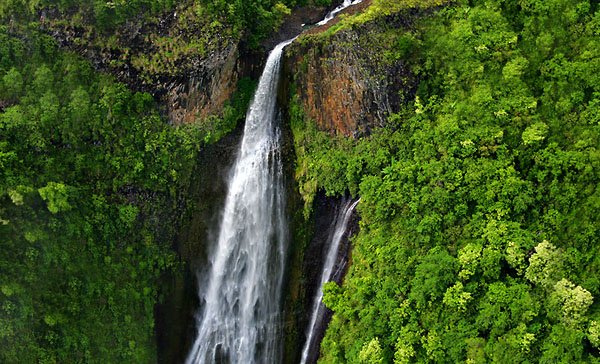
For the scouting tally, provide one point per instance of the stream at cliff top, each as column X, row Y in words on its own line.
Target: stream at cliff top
column 240, row 319
column 335, row 11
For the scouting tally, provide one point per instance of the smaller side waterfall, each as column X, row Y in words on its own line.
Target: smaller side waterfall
column 340, row 223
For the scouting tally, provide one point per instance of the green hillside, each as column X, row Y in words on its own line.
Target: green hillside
column 480, row 200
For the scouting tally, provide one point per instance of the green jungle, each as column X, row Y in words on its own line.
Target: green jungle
column 479, row 235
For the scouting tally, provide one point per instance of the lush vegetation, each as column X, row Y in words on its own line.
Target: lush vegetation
column 158, row 39
column 108, row 14
column 92, row 188
column 93, row 180
column 256, row 18
column 480, row 202
column 480, row 199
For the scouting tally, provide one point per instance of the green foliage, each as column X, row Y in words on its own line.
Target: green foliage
column 256, row 18
column 12, row 84
column 381, row 8
column 214, row 128
column 92, row 181
column 479, row 199
column 104, row 14
column 545, row 265
column 371, row 353
column 56, row 195
column 157, row 38
column 572, row 302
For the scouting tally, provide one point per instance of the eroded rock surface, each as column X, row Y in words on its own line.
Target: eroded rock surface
column 345, row 82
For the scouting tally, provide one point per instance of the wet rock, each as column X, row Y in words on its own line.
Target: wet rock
column 294, row 24
column 194, row 87
column 342, row 83
column 325, row 208
column 175, row 315
column 205, row 92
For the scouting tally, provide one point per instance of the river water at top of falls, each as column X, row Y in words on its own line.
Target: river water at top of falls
column 240, row 315
column 335, row 11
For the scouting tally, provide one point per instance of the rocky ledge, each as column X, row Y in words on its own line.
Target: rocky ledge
column 344, row 81
column 154, row 56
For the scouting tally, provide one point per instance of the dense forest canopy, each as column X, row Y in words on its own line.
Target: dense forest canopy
column 93, row 184
column 480, row 200
column 257, row 18
column 88, row 168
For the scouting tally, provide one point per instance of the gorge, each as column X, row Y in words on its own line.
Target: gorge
column 170, row 188
column 240, row 319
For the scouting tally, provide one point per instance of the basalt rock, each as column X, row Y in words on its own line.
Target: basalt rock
column 193, row 88
column 205, row 91
column 343, row 81
column 175, row 315
column 314, row 258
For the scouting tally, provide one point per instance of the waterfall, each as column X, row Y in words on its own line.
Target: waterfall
column 240, row 317
column 335, row 11
column 241, row 321
column 340, row 223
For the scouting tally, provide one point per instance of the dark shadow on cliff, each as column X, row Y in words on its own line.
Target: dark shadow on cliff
column 175, row 316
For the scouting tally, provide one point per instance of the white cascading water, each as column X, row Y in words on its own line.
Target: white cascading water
column 335, row 11
column 340, row 224
column 240, row 321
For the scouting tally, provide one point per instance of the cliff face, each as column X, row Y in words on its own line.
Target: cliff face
column 344, row 89
column 175, row 315
column 348, row 82
column 344, row 83
column 213, row 81
column 190, row 67
column 208, row 86
column 158, row 57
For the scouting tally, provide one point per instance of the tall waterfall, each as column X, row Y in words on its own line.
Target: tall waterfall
column 340, row 224
column 241, row 321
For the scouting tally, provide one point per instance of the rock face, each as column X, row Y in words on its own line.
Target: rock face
column 187, row 87
column 205, row 91
column 175, row 315
column 344, row 85
column 199, row 87
column 314, row 260
column 345, row 82
column 209, row 85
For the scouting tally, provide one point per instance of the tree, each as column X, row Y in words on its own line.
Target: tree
column 545, row 265
column 570, row 302
column 12, row 84
column 432, row 276
column 371, row 353
column 56, row 195
column 43, row 80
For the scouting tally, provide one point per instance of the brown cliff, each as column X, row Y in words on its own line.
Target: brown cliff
column 190, row 66
column 206, row 90
column 345, row 82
